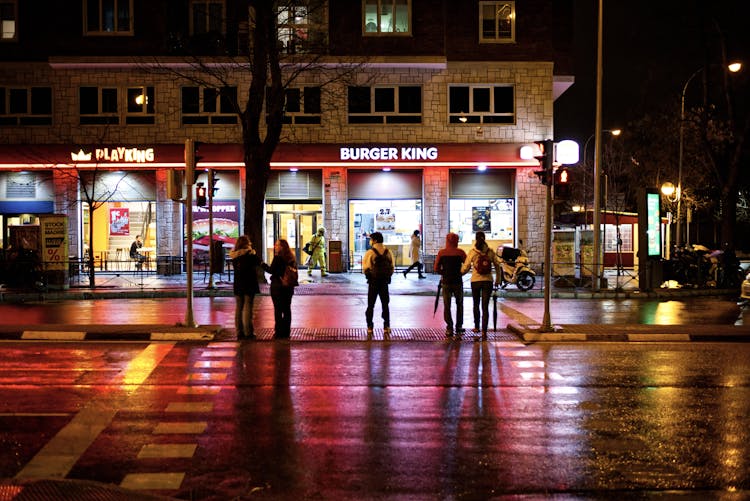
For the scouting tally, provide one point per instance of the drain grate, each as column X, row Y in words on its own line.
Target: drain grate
column 396, row 335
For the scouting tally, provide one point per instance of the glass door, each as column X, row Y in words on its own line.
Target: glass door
column 297, row 228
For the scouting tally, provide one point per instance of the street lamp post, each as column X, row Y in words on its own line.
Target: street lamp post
column 614, row 132
column 732, row 67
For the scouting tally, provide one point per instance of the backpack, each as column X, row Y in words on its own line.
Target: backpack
column 483, row 264
column 382, row 267
column 290, row 276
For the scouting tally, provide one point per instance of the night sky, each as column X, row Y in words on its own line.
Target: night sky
column 651, row 47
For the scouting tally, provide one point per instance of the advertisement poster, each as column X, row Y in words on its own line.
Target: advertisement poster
column 119, row 221
column 385, row 221
column 54, row 241
column 480, row 219
column 226, row 224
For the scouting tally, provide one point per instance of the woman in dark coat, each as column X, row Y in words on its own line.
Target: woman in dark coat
column 245, row 262
column 281, row 294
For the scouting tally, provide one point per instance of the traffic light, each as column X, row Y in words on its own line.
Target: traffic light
column 200, row 195
column 213, row 179
column 546, row 147
column 562, row 184
column 191, row 160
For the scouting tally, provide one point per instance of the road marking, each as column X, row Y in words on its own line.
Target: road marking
column 190, row 407
column 167, row 451
column 181, row 427
column 60, row 454
column 54, row 335
column 516, row 315
column 152, row 481
column 213, row 364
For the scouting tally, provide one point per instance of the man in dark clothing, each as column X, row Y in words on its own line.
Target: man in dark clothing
column 135, row 254
column 377, row 265
column 448, row 264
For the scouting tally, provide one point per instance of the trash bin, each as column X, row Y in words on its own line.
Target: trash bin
column 335, row 263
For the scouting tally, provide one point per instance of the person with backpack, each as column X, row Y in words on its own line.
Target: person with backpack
column 481, row 259
column 448, row 264
column 377, row 265
column 281, row 293
column 414, row 253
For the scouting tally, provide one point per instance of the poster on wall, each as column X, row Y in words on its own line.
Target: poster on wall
column 226, row 224
column 385, row 221
column 54, row 240
column 119, row 221
column 480, row 217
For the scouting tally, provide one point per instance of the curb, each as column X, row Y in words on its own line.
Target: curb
column 632, row 333
column 144, row 333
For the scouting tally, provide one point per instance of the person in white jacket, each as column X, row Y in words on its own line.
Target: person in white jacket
column 481, row 259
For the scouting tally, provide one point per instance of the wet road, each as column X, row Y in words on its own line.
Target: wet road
column 361, row 420
column 407, row 311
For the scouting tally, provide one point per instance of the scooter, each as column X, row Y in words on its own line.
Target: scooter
column 516, row 270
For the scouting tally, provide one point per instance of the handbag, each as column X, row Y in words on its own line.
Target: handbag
column 290, row 276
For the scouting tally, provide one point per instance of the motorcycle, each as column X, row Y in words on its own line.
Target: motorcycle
column 516, row 270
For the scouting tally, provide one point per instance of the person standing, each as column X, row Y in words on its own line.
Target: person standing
column 245, row 263
column 377, row 265
column 281, row 294
column 135, row 253
column 481, row 260
column 448, row 264
column 318, row 247
column 415, row 250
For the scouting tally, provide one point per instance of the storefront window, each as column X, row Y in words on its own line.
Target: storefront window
column 395, row 219
column 495, row 217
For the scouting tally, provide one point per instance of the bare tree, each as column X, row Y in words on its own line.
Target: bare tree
column 273, row 65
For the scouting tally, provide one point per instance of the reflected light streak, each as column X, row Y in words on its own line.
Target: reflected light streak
column 141, row 366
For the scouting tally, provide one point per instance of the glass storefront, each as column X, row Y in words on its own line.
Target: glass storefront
column 125, row 207
column 115, row 227
column 395, row 219
column 495, row 217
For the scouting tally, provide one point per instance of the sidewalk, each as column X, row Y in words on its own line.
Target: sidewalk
column 344, row 285
column 110, row 285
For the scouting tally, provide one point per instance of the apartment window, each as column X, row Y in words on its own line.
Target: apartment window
column 386, row 17
column 302, row 106
column 140, row 107
column 481, row 104
column 108, row 17
column 206, row 16
column 497, row 22
column 385, row 105
column 293, row 29
column 26, row 106
column 99, row 105
column 206, row 105
column 8, row 20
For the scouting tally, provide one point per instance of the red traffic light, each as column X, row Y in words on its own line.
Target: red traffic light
column 200, row 195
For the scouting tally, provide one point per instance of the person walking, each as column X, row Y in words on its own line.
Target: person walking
column 377, row 265
column 415, row 250
column 448, row 263
column 318, row 248
column 245, row 263
column 281, row 294
column 481, row 260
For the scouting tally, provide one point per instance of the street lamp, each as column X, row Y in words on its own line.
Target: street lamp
column 733, row 67
column 615, row 133
column 670, row 193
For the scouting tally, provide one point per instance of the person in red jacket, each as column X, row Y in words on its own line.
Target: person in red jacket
column 448, row 264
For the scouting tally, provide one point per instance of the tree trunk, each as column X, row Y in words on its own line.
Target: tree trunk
column 728, row 218
column 92, row 273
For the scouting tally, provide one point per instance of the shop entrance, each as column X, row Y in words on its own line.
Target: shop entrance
column 296, row 224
